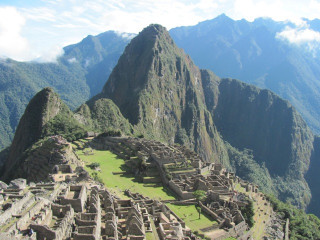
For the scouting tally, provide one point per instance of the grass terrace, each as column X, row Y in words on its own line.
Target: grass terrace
column 111, row 163
column 190, row 216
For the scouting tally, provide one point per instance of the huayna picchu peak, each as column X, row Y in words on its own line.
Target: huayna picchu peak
column 219, row 146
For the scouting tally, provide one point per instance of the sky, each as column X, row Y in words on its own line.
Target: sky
column 38, row 29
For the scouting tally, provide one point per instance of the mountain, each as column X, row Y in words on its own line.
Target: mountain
column 252, row 131
column 257, row 53
column 45, row 115
column 77, row 75
column 159, row 90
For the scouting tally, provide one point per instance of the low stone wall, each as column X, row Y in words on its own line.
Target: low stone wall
column 237, row 232
column 211, row 228
column 182, row 194
column 24, row 219
column 205, row 169
column 77, row 204
column 183, row 224
column 85, row 233
column 63, row 231
column 210, row 213
column 15, row 208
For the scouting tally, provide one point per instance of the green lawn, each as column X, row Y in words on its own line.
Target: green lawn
column 109, row 163
column 190, row 216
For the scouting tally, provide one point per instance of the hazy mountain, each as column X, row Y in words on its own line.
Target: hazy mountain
column 256, row 53
column 77, row 75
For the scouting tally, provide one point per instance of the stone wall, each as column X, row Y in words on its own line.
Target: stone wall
column 182, row 194
column 24, row 219
column 79, row 202
column 16, row 207
column 64, row 229
column 210, row 213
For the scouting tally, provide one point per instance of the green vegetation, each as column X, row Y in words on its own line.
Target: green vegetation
column 94, row 165
column 302, row 225
column 120, row 181
column 66, row 125
column 248, row 213
column 199, row 195
column 246, row 167
column 190, row 216
column 104, row 116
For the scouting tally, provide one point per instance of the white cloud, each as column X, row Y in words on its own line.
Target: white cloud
column 50, row 55
column 12, row 44
column 72, row 60
column 125, row 35
column 56, row 22
column 299, row 35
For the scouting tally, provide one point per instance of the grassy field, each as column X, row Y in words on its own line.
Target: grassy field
column 110, row 163
column 190, row 216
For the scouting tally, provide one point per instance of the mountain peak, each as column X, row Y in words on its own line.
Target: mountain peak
column 155, row 28
column 44, row 106
column 139, row 59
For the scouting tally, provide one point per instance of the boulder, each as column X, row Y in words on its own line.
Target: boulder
column 3, row 185
column 18, row 183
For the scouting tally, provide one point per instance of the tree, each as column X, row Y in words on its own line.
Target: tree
column 199, row 195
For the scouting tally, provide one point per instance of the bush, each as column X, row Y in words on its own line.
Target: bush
column 111, row 133
column 94, row 165
column 248, row 213
column 96, row 177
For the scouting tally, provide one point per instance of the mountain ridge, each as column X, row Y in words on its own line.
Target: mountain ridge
column 257, row 53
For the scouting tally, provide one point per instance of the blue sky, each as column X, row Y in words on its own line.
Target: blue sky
column 31, row 29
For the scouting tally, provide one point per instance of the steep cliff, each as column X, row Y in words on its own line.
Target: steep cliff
column 251, row 118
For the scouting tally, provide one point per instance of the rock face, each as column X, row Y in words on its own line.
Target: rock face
column 312, row 177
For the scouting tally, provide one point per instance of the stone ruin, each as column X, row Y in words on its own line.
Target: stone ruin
column 79, row 208
column 183, row 171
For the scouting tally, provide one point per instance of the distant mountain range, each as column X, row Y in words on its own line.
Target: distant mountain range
column 77, row 75
column 258, row 53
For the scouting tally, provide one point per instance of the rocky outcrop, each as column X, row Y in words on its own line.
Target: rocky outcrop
column 45, row 115
column 44, row 106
